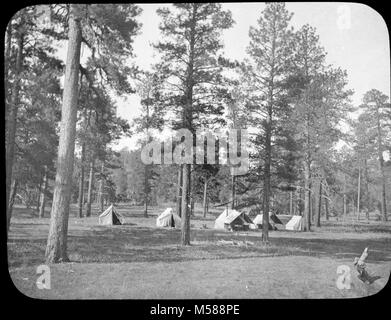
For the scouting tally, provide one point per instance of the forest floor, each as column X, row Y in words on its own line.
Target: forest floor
column 137, row 260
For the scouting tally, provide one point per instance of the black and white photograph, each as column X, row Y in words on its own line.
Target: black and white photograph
column 190, row 151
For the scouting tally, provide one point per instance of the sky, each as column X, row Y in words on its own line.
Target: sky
column 355, row 37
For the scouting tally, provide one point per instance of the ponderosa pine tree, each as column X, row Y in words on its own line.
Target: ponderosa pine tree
column 377, row 106
column 189, row 54
column 107, row 30
column 151, row 118
column 32, row 92
column 56, row 250
column 320, row 102
column 270, row 53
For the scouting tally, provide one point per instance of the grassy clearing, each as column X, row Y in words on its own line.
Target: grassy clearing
column 138, row 260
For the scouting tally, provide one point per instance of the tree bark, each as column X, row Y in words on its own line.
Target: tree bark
column 179, row 192
column 187, row 122
column 299, row 203
column 185, row 238
column 326, row 205
column 12, row 121
column 233, row 179
column 14, row 187
column 81, row 182
column 38, row 194
column 7, row 50
column 101, row 187
column 381, row 165
column 319, row 204
column 146, row 192
column 90, row 186
column 307, row 196
column 205, row 197
column 366, row 186
column 192, row 202
column 344, row 196
column 43, row 193
column 56, row 250
column 267, row 168
column 358, row 193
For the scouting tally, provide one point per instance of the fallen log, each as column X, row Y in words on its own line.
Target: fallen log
column 361, row 267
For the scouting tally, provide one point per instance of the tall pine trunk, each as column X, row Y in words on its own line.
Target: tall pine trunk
column 358, row 193
column 38, row 194
column 12, row 122
column 101, row 187
column 266, row 182
column 307, row 196
column 42, row 197
column 90, row 186
column 187, row 122
column 179, row 192
column 146, row 191
column 233, row 179
column 326, row 206
column 81, row 182
column 185, row 238
column 56, row 250
column 204, row 203
column 319, row 204
column 344, row 196
column 381, row 165
column 300, row 202
column 366, row 188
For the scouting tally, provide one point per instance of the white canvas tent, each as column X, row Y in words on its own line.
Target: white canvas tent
column 258, row 220
column 168, row 218
column 296, row 223
column 111, row 217
column 231, row 218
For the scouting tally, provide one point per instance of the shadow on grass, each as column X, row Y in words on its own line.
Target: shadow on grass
column 127, row 243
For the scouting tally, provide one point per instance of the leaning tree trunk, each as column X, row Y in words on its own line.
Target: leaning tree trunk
column 185, row 238
column 81, row 183
column 90, row 186
column 43, row 193
column 14, row 188
column 12, row 122
column 56, row 250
